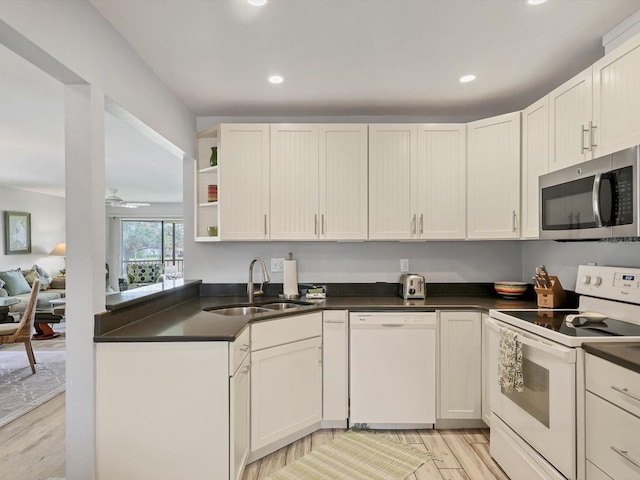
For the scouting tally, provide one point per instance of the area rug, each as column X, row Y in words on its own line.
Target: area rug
column 20, row 390
column 356, row 456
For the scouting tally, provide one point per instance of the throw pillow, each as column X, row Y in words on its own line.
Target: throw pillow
column 144, row 273
column 38, row 272
column 1, row 283
column 15, row 284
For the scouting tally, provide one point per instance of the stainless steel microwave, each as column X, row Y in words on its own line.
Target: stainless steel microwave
column 592, row 200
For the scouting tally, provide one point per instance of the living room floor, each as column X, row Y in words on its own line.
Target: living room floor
column 33, row 445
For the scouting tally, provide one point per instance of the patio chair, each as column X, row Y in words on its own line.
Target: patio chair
column 21, row 331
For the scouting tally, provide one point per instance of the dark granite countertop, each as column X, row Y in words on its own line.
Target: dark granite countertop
column 626, row 355
column 187, row 321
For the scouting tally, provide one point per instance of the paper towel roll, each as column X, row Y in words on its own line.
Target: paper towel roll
column 290, row 280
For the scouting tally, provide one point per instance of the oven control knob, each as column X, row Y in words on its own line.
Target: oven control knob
column 596, row 281
column 586, row 279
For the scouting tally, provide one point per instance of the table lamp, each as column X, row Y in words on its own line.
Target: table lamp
column 60, row 250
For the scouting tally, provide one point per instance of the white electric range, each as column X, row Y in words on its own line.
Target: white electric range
column 539, row 433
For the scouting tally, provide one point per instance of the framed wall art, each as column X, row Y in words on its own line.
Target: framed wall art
column 17, row 233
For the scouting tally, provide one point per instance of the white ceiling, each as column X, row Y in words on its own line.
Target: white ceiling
column 364, row 57
column 338, row 57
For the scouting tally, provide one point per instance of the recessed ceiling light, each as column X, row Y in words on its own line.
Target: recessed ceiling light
column 535, row 2
column 257, row 3
column 276, row 79
column 467, row 78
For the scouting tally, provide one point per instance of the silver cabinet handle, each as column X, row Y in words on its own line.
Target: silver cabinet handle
column 322, row 224
column 413, row 224
column 315, row 223
column 514, row 221
column 320, row 354
column 245, row 347
column 341, row 322
column 624, row 454
column 582, row 132
column 245, row 370
column 625, row 391
column 265, row 224
column 421, row 223
column 592, row 127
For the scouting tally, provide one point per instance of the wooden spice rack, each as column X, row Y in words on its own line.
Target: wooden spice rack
column 551, row 297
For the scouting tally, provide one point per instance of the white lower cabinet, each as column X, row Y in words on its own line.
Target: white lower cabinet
column 486, row 391
column 239, row 402
column 286, row 383
column 335, row 354
column 612, row 422
column 162, row 410
column 460, row 387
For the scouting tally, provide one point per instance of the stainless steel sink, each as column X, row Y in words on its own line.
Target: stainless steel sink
column 250, row 309
column 280, row 305
column 234, row 311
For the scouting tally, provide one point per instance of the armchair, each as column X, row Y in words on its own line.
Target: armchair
column 141, row 274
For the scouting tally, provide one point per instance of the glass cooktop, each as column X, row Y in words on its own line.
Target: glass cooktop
column 581, row 326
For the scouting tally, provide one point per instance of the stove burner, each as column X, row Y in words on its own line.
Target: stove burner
column 579, row 326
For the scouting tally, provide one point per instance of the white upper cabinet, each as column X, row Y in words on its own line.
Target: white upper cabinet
column 392, row 203
column 616, row 98
column 343, row 182
column 243, row 158
column 294, row 182
column 535, row 162
column 441, row 189
column 493, row 177
column 570, row 114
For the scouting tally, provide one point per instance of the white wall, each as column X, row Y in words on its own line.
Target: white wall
column 562, row 258
column 47, row 228
column 360, row 261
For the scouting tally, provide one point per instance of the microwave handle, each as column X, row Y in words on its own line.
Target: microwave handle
column 595, row 198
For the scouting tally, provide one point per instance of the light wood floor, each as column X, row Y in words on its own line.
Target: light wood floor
column 458, row 454
column 32, row 446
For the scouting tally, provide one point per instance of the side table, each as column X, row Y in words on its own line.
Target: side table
column 5, row 303
column 43, row 329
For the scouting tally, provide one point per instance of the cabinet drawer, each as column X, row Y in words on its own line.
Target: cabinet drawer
column 239, row 349
column 594, row 473
column 285, row 330
column 614, row 383
column 608, row 428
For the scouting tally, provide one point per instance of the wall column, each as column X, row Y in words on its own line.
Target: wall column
column 85, row 214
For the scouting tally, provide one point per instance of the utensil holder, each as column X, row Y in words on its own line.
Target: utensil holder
column 551, row 297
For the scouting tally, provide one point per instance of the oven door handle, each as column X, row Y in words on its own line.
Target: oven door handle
column 567, row 354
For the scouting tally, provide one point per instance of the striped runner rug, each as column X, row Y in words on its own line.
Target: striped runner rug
column 356, row 456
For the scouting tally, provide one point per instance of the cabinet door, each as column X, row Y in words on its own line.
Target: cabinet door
column 335, row 365
column 493, row 177
column 392, row 157
column 286, row 390
column 441, row 174
column 535, row 162
column 616, row 98
column 570, row 111
column 460, row 391
column 239, row 419
column 294, row 182
column 343, row 182
column 243, row 159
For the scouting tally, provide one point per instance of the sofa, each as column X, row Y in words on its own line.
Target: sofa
column 17, row 284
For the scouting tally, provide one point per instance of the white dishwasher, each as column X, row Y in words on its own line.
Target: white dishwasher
column 392, row 374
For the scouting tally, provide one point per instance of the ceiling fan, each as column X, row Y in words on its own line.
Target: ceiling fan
column 114, row 201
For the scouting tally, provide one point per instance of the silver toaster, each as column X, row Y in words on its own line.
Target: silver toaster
column 412, row 286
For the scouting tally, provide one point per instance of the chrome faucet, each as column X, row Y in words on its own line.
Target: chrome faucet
column 265, row 279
